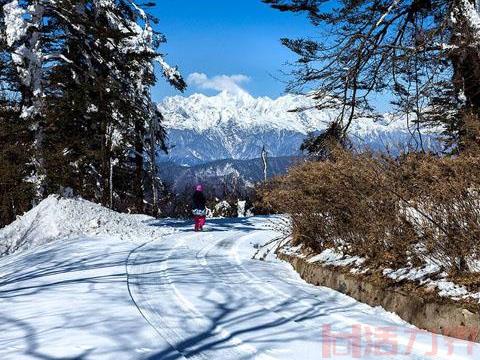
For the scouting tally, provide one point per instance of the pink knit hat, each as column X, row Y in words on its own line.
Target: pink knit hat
column 199, row 187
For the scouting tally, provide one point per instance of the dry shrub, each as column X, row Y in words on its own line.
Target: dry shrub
column 442, row 201
column 413, row 209
column 343, row 203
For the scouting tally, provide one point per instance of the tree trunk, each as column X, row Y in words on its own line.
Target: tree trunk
column 138, row 176
column 110, row 183
column 32, row 94
column 466, row 56
column 265, row 165
column 153, row 167
column 105, row 165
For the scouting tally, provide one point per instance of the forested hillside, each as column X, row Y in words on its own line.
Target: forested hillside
column 77, row 114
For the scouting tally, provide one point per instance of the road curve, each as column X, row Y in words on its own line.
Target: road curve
column 205, row 296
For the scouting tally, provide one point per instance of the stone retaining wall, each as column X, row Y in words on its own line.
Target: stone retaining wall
column 436, row 316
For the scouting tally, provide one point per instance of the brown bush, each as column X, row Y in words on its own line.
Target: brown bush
column 444, row 207
column 391, row 211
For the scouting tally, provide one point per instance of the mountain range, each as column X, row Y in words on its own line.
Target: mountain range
column 223, row 176
column 218, row 140
column 237, row 126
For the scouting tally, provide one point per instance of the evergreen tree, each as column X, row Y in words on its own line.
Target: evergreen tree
column 85, row 71
column 15, row 192
column 137, row 51
column 25, row 35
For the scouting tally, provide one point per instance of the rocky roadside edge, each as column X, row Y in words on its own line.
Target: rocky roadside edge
column 423, row 309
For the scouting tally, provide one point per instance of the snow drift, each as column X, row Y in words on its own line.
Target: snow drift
column 59, row 218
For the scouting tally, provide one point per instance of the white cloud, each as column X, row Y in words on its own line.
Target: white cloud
column 229, row 83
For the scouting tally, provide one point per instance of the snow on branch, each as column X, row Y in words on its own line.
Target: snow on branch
column 172, row 74
column 389, row 10
column 16, row 27
column 467, row 11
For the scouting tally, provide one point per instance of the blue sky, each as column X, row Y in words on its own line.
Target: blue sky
column 224, row 38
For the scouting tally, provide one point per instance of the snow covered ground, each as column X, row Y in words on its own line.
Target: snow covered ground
column 157, row 290
column 57, row 218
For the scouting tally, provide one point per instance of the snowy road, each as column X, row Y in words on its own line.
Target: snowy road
column 191, row 296
column 205, row 295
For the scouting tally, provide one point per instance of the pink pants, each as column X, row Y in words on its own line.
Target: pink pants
column 199, row 222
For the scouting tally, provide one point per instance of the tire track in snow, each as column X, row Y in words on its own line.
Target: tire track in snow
column 259, row 289
column 131, row 292
column 287, row 308
column 220, row 334
column 140, row 272
column 180, row 331
column 256, row 285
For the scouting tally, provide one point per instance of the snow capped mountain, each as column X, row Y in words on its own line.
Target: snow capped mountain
column 202, row 113
column 236, row 126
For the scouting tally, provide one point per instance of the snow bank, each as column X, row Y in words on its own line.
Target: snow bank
column 328, row 257
column 431, row 276
column 59, row 218
column 335, row 258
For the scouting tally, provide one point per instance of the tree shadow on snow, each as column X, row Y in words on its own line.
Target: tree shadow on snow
column 233, row 313
column 236, row 311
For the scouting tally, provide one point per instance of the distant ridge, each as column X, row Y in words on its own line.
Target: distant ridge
column 203, row 128
column 223, row 175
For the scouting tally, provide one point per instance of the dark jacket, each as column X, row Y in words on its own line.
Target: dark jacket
column 199, row 201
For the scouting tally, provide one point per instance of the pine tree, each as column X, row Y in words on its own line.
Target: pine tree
column 15, row 191
column 112, row 69
column 24, row 36
column 85, row 71
column 137, row 47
